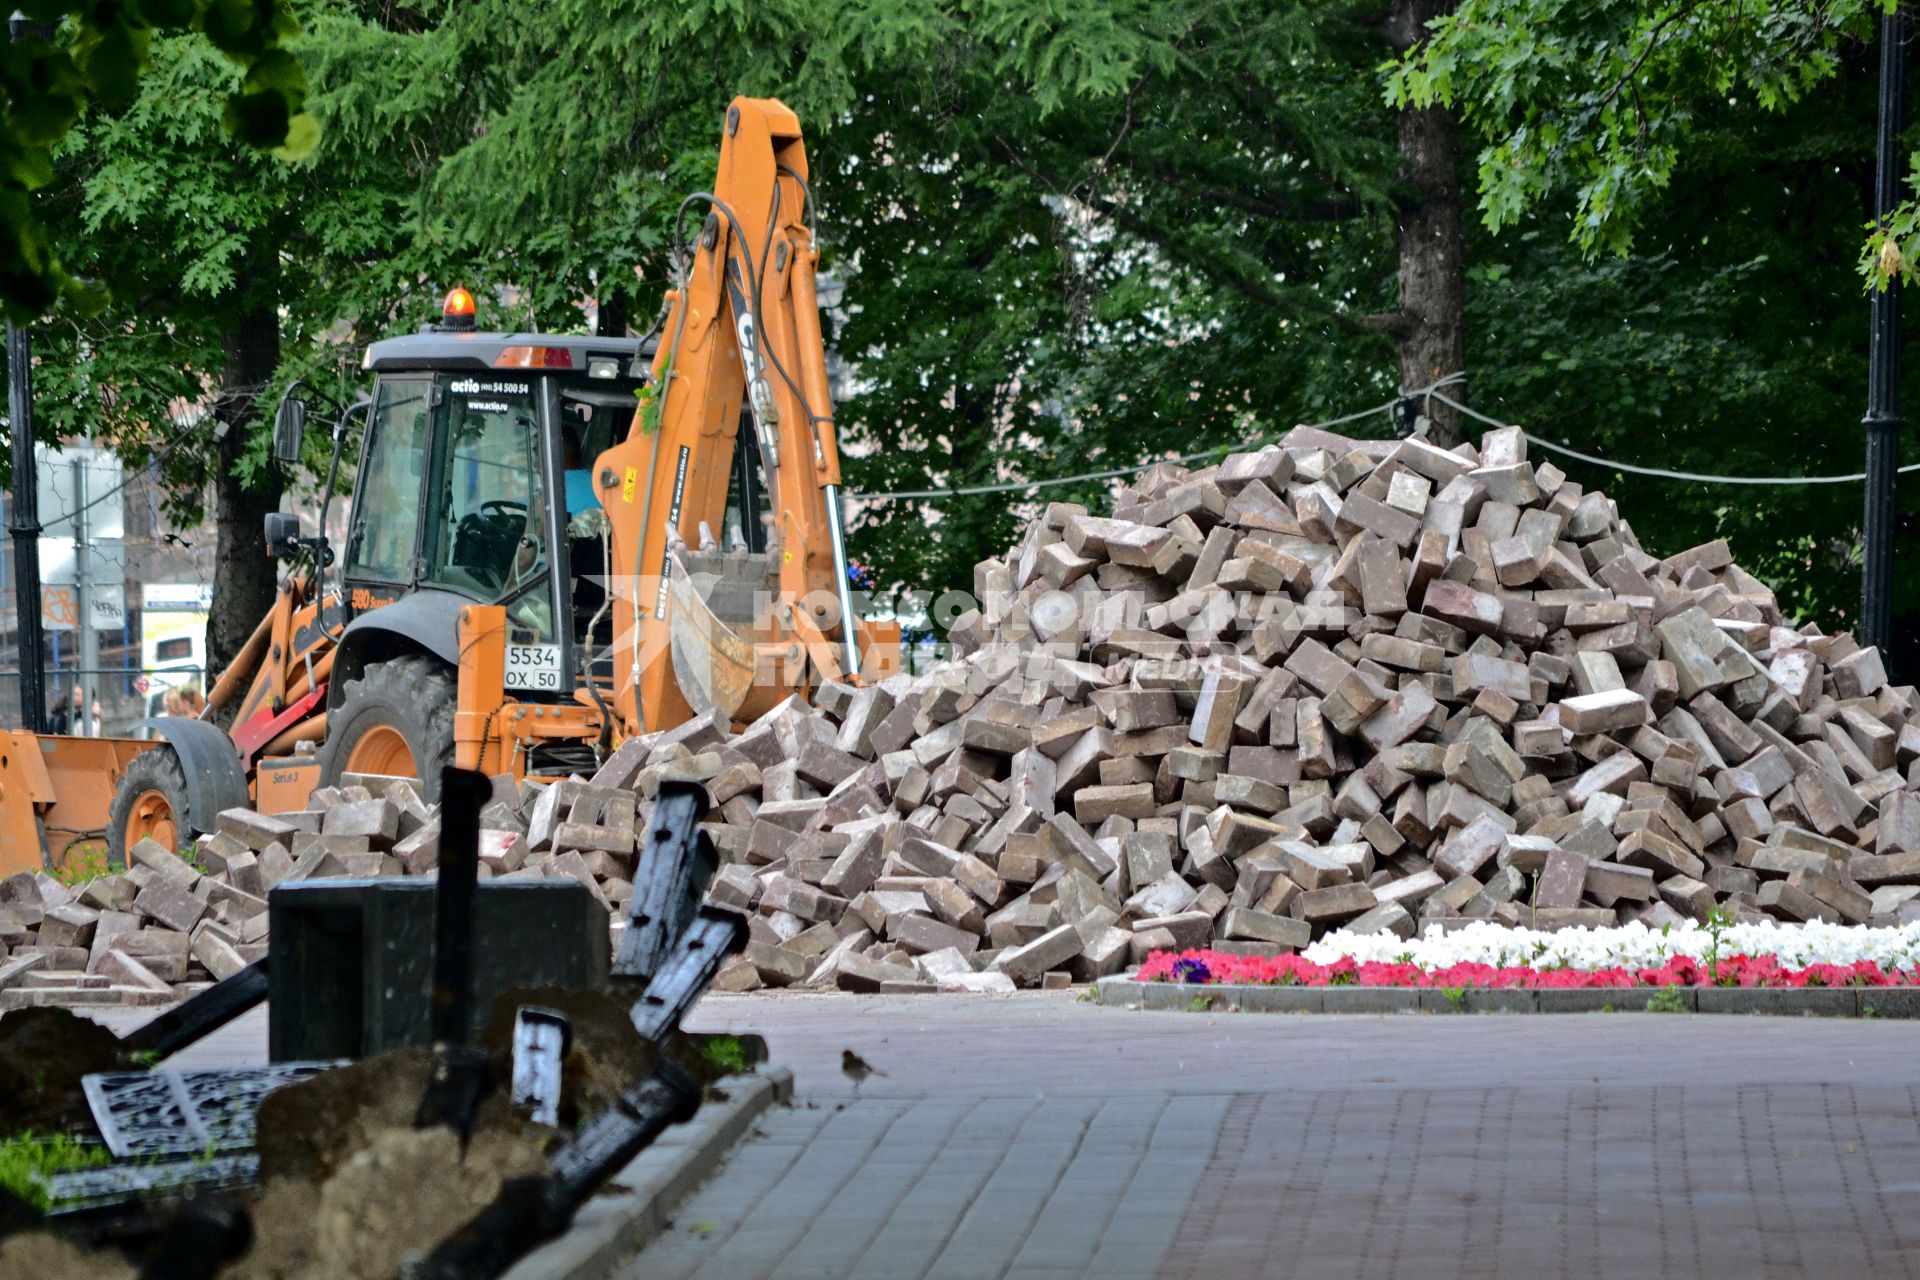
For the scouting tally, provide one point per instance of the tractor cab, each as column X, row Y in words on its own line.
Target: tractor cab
column 476, row 478
column 481, row 479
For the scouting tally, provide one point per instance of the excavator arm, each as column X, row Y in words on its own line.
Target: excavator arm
column 743, row 325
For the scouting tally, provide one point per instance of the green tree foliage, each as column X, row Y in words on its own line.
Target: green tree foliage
column 69, row 60
column 160, row 171
column 1600, row 101
column 1090, row 241
column 1071, row 238
column 1707, row 319
column 235, row 271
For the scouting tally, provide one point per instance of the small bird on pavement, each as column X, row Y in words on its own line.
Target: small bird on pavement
column 857, row 1068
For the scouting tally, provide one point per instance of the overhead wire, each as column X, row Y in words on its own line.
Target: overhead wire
column 208, row 420
column 1018, row 486
column 1426, row 395
column 1658, row 473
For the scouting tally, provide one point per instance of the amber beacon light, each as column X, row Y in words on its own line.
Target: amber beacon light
column 457, row 313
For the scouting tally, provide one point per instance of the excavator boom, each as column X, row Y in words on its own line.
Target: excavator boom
column 742, row 326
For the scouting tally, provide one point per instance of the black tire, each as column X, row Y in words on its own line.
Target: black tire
column 155, row 771
column 415, row 696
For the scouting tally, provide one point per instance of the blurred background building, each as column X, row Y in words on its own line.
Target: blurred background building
column 147, row 584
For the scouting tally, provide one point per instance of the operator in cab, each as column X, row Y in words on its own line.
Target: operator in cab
column 575, row 423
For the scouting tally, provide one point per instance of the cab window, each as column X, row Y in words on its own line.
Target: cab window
column 381, row 541
column 485, row 512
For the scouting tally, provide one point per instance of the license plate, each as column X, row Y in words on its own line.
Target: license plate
column 534, row 666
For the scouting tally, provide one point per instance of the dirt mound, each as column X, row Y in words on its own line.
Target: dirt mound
column 351, row 1188
column 400, row 1193
column 45, row 1256
column 309, row 1131
column 606, row 1058
column 43, row 1055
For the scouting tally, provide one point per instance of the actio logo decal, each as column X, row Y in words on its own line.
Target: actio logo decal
column 673, row 522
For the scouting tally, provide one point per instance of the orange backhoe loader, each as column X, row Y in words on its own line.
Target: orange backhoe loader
column 555, row 543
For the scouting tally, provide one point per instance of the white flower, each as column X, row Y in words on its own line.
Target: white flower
column 1628, row 945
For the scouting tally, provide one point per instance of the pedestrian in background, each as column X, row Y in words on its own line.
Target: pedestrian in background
column 71, row 716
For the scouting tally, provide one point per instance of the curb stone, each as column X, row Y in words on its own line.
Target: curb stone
column 1890, row 1002
column 1282, row 1000
column 1370, row 999
column 1809, row 1002
column 1590, row 1000
column 639, row 1201
column 1827, row 1002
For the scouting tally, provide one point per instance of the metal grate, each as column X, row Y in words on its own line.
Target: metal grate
column 83, row 1189
column 177, row 1113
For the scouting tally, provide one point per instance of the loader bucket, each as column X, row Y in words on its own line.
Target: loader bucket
column 54, row 796
column 713, row 664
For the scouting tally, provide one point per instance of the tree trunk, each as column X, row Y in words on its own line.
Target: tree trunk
column 611, row 321
column 1432, row 330
column 244, row 579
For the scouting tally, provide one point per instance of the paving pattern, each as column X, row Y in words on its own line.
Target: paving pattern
column 950, row 1190
column 1042, row 1138
column 1038, row 1139
column 1681, row 1180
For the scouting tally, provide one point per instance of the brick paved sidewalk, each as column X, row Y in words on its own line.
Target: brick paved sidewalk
column 1609, row 1145
column 949, row 1190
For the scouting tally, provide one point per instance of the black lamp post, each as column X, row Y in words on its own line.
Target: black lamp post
column 1883, row 421
column 24, row 519
column 24, row 525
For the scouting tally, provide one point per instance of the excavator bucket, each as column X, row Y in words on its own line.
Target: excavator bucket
column 713, row 663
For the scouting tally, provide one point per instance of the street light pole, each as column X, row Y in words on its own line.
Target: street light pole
column 23, row 524
column 24, row 521
column 1883, row 421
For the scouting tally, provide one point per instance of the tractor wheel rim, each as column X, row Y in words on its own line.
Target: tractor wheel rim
column 151, row 818
column 383, row 751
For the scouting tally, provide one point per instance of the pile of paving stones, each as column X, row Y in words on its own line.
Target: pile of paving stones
column 1332, row 684
column 166, row 926
column 1370, row 685
column 162, row 929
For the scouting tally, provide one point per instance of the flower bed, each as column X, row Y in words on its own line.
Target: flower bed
column 1629, row 946
column 1628, row 956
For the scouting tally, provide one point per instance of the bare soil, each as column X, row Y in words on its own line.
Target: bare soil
column 41, row 1255
column 349, row 1188
column 606, row 1058
column 43, row 1055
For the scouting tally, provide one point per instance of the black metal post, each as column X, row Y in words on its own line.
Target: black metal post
column 461, row 1072
column 1883, row 421
column 201, row 1015
column 462, row 795
column 23, row 524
